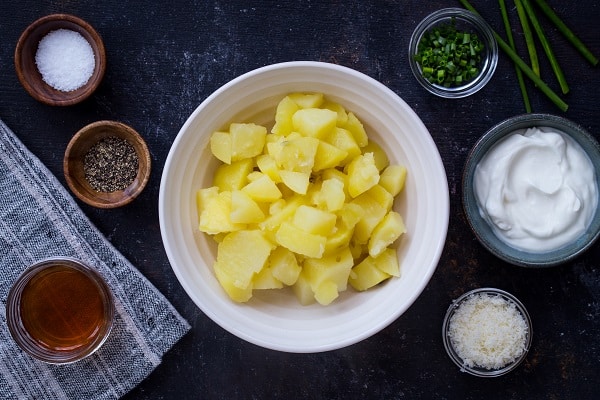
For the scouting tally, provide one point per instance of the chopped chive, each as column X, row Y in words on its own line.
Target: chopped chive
column 523, row 66
column 444, row 53
column 546, row 46
column 533, row 58
column 562, row 27
column 511, row 41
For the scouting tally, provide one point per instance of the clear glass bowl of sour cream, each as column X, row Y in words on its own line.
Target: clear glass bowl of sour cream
column 531, row 190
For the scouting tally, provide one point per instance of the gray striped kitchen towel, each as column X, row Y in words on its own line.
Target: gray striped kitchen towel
column 39, row 219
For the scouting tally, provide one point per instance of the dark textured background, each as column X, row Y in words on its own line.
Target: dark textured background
column 164, row 58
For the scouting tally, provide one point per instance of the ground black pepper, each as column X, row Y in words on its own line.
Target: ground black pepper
column 111, row 164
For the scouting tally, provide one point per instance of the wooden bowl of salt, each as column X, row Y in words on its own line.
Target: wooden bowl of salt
column 60, row 60
column 107, row 164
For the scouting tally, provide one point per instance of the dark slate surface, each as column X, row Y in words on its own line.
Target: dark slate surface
column 164, row 58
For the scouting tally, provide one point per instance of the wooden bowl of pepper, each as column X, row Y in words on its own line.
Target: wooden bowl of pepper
column 60, row 59
column 107, row 164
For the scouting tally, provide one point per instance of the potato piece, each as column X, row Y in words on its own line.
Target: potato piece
column 343, row 140
column 386, row 233
column 220, row 146
column 298, row 154
column 373, row 213
column 244, row 210
column 263, row 189
column 326, row 293
column 284, row 266
column 357, row 129
column 307, row 100
column 328, row 156
column 380, row 156
column 267, row 165
column 331, row 195
column 339, row 109
column 216, row 215
column 303, row 291
column 366, row 275
column 242, row 254
column 362, row 174
column 387, row 262
column 247, row 140
column 299, row 241
column 203, row 196
column 332, row 268
column 235, row 293
column 393, row 178
column 286, row 213
column 266, row 280
column 283, row 116
column 314, row 122
column 233, row 176
column 313, row 220
column 296, row 181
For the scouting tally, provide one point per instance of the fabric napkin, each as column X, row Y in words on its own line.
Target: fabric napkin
column 39, row 219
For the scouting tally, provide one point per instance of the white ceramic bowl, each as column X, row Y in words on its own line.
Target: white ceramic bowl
column 275, row 319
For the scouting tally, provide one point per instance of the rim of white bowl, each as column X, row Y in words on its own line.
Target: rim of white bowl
column 317, row 328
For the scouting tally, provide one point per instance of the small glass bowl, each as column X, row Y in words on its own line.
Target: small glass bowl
column 42, row 290
column 480, row 225
column 465, row 21
column 476, row 370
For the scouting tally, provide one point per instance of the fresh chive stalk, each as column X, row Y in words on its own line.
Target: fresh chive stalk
column 511, row 41
column 571, row 37
column 560, row 76
column 533, row 57
column 523, row 66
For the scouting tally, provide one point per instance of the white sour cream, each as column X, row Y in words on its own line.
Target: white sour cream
column 537, row 189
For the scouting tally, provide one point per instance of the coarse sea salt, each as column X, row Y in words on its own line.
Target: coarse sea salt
column 65, row 60
column 488, row 331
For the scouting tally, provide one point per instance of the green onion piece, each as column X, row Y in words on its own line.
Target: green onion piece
column 533, row 58
column 511, row 41
column 523, row 66
column 546, row 46
column 571, row 37
column 444, row 53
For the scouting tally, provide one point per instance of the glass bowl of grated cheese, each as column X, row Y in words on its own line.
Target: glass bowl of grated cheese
column 487, row 332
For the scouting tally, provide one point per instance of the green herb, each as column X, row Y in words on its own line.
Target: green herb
column 449, row 57
column 546, row 46
column 523, row 66
column 512, row 46
column 567, row 32
column 533, row 58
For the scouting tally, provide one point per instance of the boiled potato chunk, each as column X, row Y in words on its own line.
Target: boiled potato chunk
column 362, row 174
column 284, row 265
column 247, row 140
column 386, row 233
column 307, row 100
column 357, row 129
column 366, row 275
column 244, row 210
column 220, row 146
column 313, row 220
column 314, row 122
column 215, row 215
column 307, row 206
column 299, row 241
column 283, row 116
column 263, row 189
column 233, row 176
column 393, row 178
column 241, row 255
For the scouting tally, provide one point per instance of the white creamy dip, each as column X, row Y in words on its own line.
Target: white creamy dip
column 537, row 189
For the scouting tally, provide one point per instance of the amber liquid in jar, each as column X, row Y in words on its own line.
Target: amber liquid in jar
column 62, row 308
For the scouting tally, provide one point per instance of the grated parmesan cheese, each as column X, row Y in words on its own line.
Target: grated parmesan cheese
column 488, row 331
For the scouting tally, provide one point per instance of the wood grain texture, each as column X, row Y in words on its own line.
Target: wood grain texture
column 165, row 58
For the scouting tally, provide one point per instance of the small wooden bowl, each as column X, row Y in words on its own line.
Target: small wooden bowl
column 27, row 70
column 73, row 164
